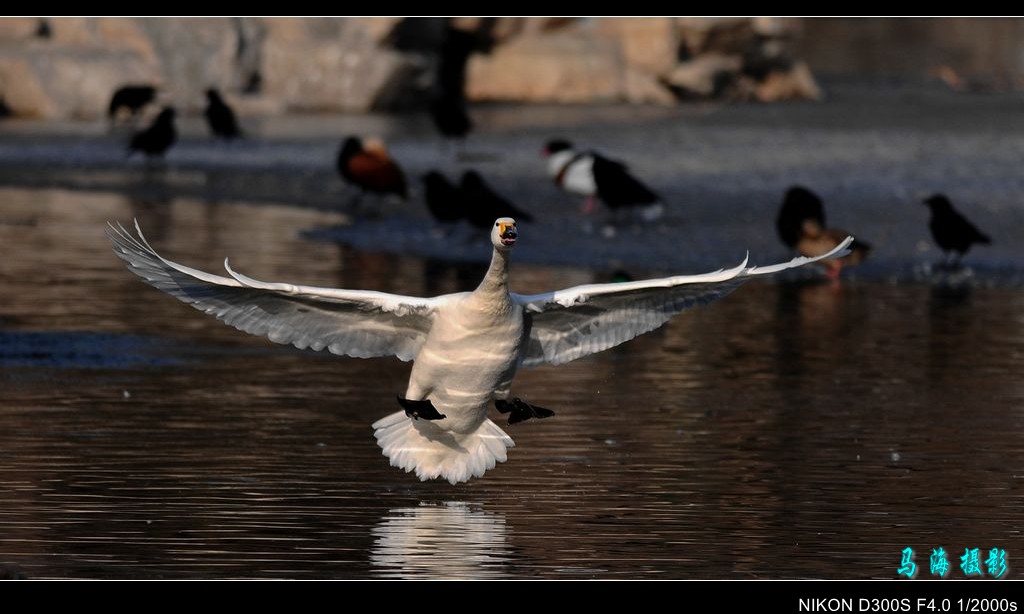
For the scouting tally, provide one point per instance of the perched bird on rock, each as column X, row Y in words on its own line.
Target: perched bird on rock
column 220, row 117
column 131, row 98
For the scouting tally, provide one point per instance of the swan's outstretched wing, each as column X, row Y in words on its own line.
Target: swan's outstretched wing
column 362, row 324
column 568, row 324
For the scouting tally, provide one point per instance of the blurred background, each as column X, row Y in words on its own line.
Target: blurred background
column 67, row 68
column 809, row 426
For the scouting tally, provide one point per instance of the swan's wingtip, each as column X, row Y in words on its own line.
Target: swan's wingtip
column 245, row 281
column 840, row 250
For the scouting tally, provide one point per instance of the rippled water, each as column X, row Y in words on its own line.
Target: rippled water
column 789, row 431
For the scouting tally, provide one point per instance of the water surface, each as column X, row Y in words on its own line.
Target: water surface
column 796, row 430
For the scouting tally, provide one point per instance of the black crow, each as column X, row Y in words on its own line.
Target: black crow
column 132, row 98
column 158, row 137
column 444, row 199
column 483, row 205
column 951, row 230
column 799, row 205
column 220, row 117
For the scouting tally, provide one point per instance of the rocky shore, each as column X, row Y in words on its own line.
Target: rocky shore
column 61, row 68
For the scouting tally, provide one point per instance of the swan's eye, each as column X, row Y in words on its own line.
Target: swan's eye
column 496, row 225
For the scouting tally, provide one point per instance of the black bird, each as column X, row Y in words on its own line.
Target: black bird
column 590, row 174
column 448, row 105
column 798, row 206
column 220, row 117
column 951, row 230
column 369, row 167
column 158, row 137
column 43, row 28
column 444, row 199
column 132, row 98
column 483, row 205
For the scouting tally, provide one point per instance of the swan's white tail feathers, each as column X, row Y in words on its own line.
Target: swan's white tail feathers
column 433, row 453
column 391, row 420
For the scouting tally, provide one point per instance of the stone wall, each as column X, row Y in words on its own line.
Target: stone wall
column 68, row 67
column 643, row 60
column 70, row 70
column 966, row 53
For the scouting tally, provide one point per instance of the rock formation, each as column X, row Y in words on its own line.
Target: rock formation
column 68, row 67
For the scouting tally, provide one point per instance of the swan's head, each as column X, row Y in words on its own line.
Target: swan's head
column 504, row 234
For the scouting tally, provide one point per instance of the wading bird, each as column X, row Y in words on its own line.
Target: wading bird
column 801, row 225
column 465, row 347
column 590, row 174
column 368, row 166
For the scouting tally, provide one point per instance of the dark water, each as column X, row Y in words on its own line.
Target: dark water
column 800, row 430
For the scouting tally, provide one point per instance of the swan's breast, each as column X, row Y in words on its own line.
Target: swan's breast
column 471, row 334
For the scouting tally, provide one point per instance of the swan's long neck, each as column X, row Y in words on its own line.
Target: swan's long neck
column 495, row 282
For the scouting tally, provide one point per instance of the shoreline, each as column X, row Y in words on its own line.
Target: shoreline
column 871, row 152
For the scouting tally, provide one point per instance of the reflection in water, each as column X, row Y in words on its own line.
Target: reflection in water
column 440, row 541
column 951, row 328
column 156, row 210
column 947, row 296
column 354, row 265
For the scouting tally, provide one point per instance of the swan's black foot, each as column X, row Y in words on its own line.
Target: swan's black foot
column 420, row 409
column 520, row 410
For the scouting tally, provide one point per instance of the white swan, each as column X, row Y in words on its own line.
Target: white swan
column 466, row 347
